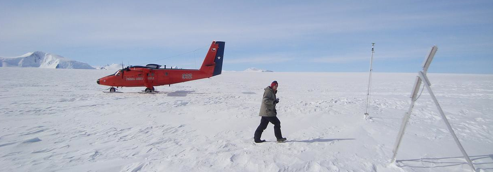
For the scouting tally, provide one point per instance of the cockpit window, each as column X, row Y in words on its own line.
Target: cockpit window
column 117, row 73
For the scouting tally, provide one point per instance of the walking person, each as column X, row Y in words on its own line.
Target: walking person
column 268, row 113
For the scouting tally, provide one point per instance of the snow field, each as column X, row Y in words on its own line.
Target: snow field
column 60, row 120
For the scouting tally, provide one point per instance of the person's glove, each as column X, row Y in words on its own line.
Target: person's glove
column 276, row 101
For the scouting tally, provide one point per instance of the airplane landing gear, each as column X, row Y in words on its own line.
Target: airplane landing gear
column 149, row 90
column 112, row 89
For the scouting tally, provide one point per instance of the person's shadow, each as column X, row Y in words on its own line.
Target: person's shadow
column 322, row 140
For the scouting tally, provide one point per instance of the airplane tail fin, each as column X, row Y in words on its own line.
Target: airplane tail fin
column 213, row 62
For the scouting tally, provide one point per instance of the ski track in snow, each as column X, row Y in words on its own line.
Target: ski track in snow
column 60, row 120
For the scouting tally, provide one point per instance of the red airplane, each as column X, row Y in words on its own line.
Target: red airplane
column 152, row 75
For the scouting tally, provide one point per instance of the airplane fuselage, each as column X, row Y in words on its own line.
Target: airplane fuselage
column 152, row 75
column 136, row 76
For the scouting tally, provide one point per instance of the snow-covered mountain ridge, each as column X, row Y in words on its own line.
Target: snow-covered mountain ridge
column 43, row 60
column 113, row 66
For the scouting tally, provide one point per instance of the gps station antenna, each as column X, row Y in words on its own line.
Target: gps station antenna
column 369, row 81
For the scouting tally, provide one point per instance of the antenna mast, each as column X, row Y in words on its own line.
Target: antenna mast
column 369, row 80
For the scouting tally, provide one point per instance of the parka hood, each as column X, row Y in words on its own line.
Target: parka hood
column 268, row 88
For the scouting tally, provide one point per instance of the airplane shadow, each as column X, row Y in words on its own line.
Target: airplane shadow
column 179, row 93
column 448, row 162
column 321, row 140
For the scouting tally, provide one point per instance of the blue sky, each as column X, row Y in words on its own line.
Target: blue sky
column 284, row 36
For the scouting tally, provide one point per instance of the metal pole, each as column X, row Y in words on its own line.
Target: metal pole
column 402, row 130
column 405, row 120
column 369, row 80
column 427, row 85
column 422, row 78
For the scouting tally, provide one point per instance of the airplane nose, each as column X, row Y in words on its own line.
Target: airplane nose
column 98, row 81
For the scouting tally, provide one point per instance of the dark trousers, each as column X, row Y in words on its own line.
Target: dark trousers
column 263, row 125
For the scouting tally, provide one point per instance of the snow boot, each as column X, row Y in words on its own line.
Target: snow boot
column 259, row 141
column 281, row 140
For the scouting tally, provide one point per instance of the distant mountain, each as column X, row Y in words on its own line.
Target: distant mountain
column 112, row 67
column 256, row 70
column 43, row 60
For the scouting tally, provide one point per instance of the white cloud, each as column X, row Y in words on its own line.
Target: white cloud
column 260, row 59
column 146, row 24
column 404, row 27
column 381, row 53
column 165, row 24
column 339, row 59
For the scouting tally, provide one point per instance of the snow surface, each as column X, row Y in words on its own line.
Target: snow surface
column 60, row 120
column 43, row 60
column 252, row 69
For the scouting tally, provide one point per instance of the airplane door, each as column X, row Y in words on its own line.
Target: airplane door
column 164, row 78
column 151, row 78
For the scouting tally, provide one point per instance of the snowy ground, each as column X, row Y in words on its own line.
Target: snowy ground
column 60, row 120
